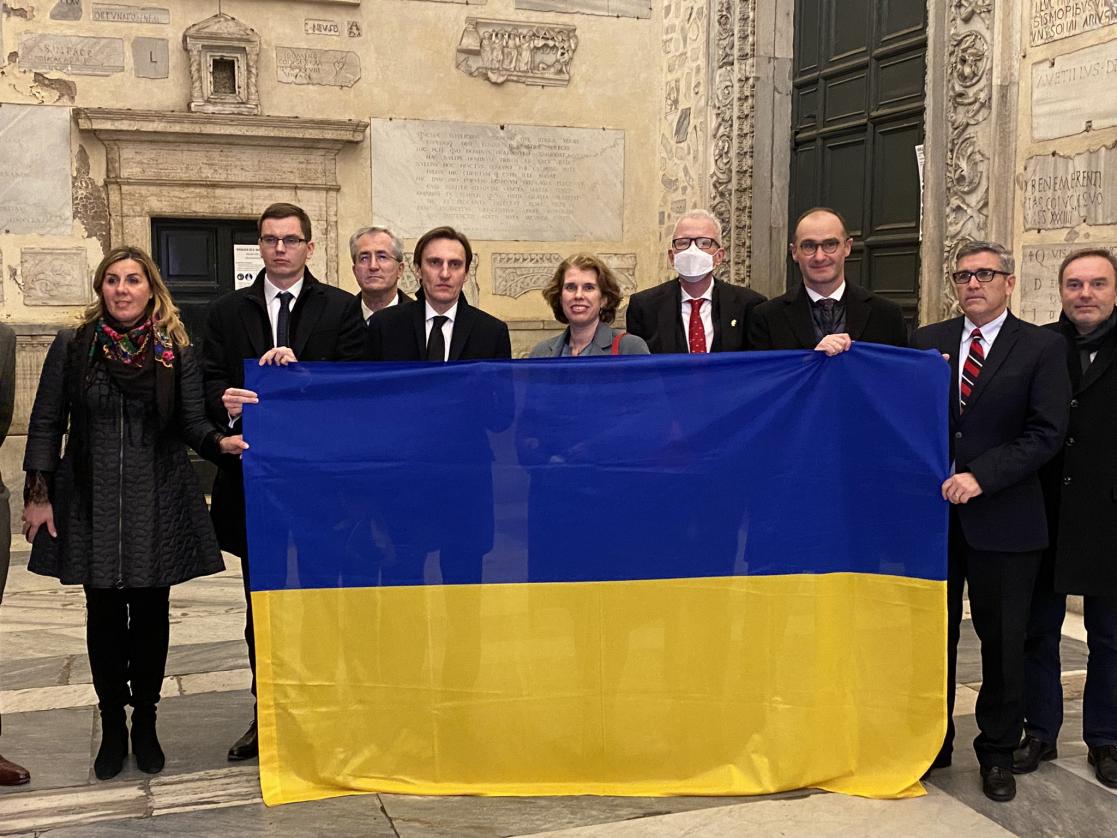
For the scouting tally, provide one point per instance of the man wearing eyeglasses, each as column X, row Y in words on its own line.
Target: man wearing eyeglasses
column 1009, row 392
column 377, row 255
column 825, row 312
column 286, row 315
column 694, row 312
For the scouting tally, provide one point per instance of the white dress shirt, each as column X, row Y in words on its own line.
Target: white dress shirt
column 837, row 295
column 271, row 298
column 707, row 313
column 447, row 327
column 989, row 334
column 368, row 312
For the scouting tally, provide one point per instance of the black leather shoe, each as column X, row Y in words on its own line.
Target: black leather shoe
column 1104, row 760
column 1031, row 753
column 12, row 774
column 246, row 747
column 998, row 783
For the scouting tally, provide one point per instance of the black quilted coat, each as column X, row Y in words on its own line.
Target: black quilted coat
column 127, row 506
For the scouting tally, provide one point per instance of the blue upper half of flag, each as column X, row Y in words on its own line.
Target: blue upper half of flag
column 597, row 469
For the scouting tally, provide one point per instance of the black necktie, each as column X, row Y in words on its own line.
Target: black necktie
column 825, row 308
column 282, row 324
column 368, row 322
column 436, row 343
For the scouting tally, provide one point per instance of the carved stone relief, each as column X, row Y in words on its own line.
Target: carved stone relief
column 529, row 53
column 515, row 274
column 969, row 101
column 409, row 282
column 91, row 205
column 224, row 64
column 54, row 276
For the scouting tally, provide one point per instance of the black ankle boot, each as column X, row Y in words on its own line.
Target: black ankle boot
column 145, row 743
column 114, row 744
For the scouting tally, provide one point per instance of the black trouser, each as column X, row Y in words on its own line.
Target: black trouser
column 1000, row 593
column 249, row 636
column 127, row 634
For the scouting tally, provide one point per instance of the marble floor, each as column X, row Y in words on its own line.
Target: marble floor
column 50, row 725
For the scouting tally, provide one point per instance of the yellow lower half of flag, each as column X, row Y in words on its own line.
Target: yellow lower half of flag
column 712, row 686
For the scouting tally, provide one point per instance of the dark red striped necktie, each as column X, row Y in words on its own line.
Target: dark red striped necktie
column 971, row 369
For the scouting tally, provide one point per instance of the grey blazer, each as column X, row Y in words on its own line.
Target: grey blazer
column 7, row 401
column 602, row 344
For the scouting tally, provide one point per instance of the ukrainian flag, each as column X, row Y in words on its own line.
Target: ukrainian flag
column 668, row 575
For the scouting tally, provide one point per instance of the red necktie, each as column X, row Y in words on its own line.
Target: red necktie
column 971, row 369
column 697, row 330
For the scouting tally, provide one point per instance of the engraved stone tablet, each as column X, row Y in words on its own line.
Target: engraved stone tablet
column 515, row 274
column 511, row 182
column 150, row 59
column 1075, row 92
column 71, row 54
column 1066, row 191
column 66, row 10
column 55, row 276
column 313, row 26
column 111, row 13
column 1054, row 19
column 35, row 193
column 612, row 8
column 333, row 67
column 1039, row 279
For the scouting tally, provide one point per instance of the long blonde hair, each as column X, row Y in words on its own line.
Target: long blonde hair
column 164, row 313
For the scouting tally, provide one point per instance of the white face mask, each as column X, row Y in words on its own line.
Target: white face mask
column 694, row 264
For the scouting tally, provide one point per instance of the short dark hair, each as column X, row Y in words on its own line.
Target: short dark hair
column 283, row 210
column 812, row 211
column 606, row 281
column 443, row 233
column 1075, row 255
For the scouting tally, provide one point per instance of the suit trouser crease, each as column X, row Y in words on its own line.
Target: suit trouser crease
column 127, row 636
column 999, row 587
column 1044, row 701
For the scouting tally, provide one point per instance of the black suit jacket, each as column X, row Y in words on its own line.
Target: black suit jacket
column 655, row 315
column 1013, row 424
column 1080, row 483
column 325, row 326
column 785, row 321
column 399, row 334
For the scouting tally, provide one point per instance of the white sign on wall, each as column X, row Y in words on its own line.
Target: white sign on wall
column 246, row 264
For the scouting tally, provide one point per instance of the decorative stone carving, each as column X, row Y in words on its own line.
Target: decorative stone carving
column 529, row 53
column 91, row 206
column 329, row 67
column 515, row 274
column 224, row 63
column 409, row 282
column 71, row 54
column 610, row 8
column 969, row 98
column 55, row 276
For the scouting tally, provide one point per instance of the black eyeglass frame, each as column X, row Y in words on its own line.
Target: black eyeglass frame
column 964, row 277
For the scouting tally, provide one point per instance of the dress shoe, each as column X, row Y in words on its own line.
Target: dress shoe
column 246, row 747
column 1104, row 760
column 145, row 742
column 114, row 744
column 1031, row 753
column 12, row 774
column 998, row 783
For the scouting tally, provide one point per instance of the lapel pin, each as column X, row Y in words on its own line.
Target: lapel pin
column 733, row 323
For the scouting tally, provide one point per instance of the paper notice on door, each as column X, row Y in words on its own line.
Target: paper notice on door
column 920, row 159
column 246, row 264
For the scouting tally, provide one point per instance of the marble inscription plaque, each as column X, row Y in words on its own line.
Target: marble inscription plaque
column 150, row 59
column 1066, row 191
column 510, row 182
column 66, row 10
column 111, row 13
column 331, row 67
column 353, row 28
column 35, row 192
column 409, row 281
column 1054, row 19
column 1075, row 92
column 612, row 8
column 1039, row 278
column 313, row 26
column 72, row 54
column 55, row 276
column 515, row 274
